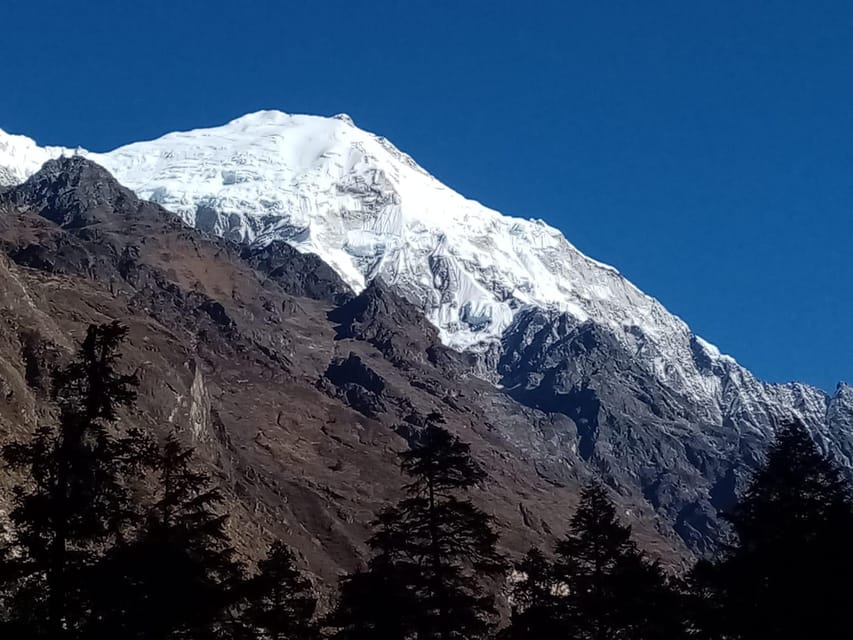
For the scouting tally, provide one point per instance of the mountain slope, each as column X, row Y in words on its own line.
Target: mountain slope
column 298, row 398
column 663, row 415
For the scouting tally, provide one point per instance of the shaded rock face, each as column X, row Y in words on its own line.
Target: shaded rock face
column 386, row 320
column 360, row 387
column 299, row 274
column 73, row 193
column 642, row 435
column 353, row 370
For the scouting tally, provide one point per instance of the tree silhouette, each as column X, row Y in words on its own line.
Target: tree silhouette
column 536, row 601
column 75, row 501
column 707, row 618
column 281, row 603
column 433, row 548
column 181, row 579
column 377, row 603
column 788, row 573
column 612, row 590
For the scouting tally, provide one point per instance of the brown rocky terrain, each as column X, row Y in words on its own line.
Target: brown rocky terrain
column 295, row 392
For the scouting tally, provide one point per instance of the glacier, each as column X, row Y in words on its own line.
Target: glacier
column 369, row 210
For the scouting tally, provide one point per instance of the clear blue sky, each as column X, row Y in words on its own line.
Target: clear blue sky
column 703, row 148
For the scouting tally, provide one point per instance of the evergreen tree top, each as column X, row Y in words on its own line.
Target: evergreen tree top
column 439, row 462
column 595, row 527
column 796, row 490
column 90, row 386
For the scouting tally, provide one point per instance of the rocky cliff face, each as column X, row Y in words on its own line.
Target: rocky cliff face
column 687, row 462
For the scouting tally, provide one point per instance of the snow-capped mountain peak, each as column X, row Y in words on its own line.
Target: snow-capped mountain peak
column 368, row 209
column 20, row 157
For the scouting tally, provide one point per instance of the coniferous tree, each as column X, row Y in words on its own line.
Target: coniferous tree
column 706, row 617
column 653, row 602
column 788, row 573
column 590, row 562
column 181, row 578
column 75, row 500
column 536, row 600
column 377, row 603
column 612, row 591
column 434, row 548
column 281, row 603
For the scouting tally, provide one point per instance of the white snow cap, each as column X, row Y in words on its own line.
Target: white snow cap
column 367, row 209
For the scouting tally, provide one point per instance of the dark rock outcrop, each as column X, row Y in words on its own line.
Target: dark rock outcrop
column 73, row 193
column 299, row 274
column 393, row 325
column 359, row 386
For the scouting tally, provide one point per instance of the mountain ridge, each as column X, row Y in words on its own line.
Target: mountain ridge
column 264, row 326
column 298, row 415
column 457, row 299
column 527, row 310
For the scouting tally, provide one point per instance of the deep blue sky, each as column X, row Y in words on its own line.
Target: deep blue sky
column 703, row 148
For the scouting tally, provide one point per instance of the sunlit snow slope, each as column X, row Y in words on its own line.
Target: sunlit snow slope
column 369, row 210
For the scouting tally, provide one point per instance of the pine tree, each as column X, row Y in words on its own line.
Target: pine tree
column 75, row 501
column 281, row 603
column 788, row 573
column 590, row 561
column 377, row 603
column 652, row 605
column 612, row 591
column 535, row 601
column 181, row 577
column 707, row 619
column 434, row 549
